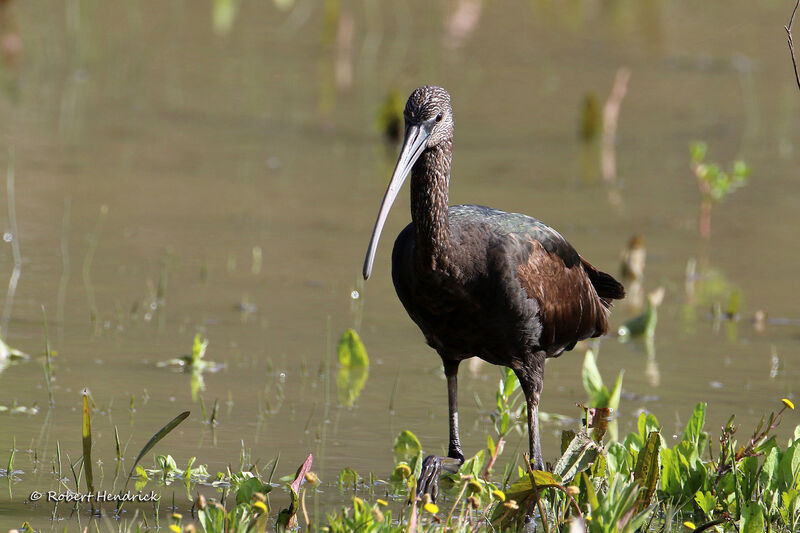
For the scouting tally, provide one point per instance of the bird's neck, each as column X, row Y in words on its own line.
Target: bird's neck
column 430, row 180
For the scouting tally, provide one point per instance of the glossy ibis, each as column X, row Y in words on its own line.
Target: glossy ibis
column 481, row 282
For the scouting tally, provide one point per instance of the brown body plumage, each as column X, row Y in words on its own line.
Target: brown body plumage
column 481, row 282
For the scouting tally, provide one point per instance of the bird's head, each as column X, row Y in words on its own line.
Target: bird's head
column 429, row 123
column 428, row 108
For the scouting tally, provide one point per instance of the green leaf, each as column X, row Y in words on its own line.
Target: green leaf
column 473, row 465
column 198, row 348
column 789, row 466
column 592, row 381
column 524, row 493
column 160, row 434
column 212, row 518
column 490, row 445
column 87, row 441
column 350, row 381
column 641, row 425
column 247, row 489
column 647, row 469
column 671, row 479
column 351, row 351
column 580, row 454
column 587, row 488
column 791, row 500
column 504, row 423
column 706, row 501
column 749, row 470
column 406, row 447
column 613, row 400
column 695, row 426
column 524, row 484
column 286, row 516
column 698, row 151
column 752, row 519
column 347, row 476
column 510, row 382
column 618, row 459
column 566, row 437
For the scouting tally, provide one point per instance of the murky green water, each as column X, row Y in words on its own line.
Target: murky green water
column 241, row 170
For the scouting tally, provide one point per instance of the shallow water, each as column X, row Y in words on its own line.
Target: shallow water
column 208, row 148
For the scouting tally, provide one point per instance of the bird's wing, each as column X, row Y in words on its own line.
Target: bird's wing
column 569, row 307
column 572, row 296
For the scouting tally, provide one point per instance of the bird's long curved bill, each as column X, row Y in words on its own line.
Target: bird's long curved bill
column 414, row 144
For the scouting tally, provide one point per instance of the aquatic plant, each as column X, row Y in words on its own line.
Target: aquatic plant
column 353, row 367
column 714, row 183
column 599, row 484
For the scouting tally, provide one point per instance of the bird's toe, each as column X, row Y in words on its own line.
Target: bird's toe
column 429, row 477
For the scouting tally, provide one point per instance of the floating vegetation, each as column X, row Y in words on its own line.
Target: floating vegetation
column 9, row 355
column 194, row 363
column 15, row 409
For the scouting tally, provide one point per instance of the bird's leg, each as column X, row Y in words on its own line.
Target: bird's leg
column 531, row 377
column 433, row 465
column 454, row 449
column 533, row 431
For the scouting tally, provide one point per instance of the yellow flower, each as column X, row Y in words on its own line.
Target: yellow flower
column 403, row 471
column 175, row 528
column 690, row 525
column 260, row 506
column 382, row 503
column 431, row 508
column 475, row 486
column 788, row 403
column 177, row 517
column 497, row 494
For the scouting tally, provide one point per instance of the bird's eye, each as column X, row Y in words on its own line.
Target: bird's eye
column 439, row 117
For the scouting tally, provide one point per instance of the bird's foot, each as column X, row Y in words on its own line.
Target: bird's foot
column 432, row 468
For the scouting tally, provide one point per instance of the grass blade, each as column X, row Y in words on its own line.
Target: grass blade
column 160, row 434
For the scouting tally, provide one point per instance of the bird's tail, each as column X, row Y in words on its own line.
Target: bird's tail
column 607, row 287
